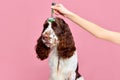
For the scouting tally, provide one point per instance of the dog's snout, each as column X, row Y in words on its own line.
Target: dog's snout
column 46, row 36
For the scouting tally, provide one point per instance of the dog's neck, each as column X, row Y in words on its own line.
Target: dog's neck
column 54, row 51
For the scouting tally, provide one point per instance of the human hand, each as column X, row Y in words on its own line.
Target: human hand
column 59, row 9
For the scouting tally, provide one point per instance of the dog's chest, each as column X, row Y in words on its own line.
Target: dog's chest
column 62, row 65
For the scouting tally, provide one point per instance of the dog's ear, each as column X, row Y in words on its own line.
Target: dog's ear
column 41, row 49
column 66, row 45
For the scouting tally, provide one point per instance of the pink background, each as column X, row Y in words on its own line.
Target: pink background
column 21, row 24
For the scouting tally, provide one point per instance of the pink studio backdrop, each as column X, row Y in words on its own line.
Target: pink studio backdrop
column 21, row 24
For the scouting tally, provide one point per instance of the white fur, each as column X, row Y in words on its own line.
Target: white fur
column 81, row 78
column 67, row 67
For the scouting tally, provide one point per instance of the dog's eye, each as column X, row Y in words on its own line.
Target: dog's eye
column 53, row 35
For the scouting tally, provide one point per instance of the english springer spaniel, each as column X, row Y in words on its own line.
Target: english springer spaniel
column 56, row 41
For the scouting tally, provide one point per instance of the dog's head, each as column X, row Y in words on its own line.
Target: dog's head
column 55, row 34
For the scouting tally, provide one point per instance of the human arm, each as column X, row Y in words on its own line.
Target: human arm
column 92, row 28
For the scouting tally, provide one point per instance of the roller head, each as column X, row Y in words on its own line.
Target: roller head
column 51, row 19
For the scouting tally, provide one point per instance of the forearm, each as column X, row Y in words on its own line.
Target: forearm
column 87, row 25
column 94, row 29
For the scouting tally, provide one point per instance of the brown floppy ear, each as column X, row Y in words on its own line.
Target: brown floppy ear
column 66, row 45
column 41, row 49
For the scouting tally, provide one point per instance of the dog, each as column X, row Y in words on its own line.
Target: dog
column 56, row 41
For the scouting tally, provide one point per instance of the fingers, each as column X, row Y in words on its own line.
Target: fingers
column 56, row 12
column 57, row 9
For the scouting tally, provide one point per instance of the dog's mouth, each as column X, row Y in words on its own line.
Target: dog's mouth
column 47, row 43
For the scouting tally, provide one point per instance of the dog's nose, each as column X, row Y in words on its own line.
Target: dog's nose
column 45, row 36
